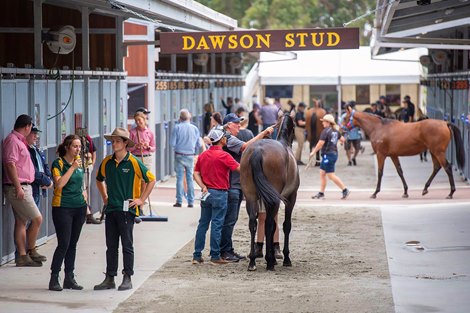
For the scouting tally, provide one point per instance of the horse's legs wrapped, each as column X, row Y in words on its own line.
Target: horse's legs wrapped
column 287, row 226
column 270, row 228
column 252, row 210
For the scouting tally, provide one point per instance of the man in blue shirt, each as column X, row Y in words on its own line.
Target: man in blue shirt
column 42, row 176
column 185, row 140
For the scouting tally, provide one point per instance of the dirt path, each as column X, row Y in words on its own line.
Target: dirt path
column 338, row 257
column 339, row 265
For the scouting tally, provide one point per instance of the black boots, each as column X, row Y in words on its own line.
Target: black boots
column 126, row 282
column 70, row 283
column 108, row 283
column 259, row 250
column 54, row 283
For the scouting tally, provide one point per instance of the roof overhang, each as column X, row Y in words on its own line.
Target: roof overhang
column 170, row 14
column 441, row 24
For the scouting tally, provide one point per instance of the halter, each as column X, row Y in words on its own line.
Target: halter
column 350, row 125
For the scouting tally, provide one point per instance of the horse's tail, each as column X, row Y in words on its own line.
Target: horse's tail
column 460, row 153
column 266, row 192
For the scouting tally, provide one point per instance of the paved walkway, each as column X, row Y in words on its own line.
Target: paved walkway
column 25, row 289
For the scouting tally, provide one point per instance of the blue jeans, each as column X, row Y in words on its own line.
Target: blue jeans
column 184, row 163
column 213, row 211
column 231, row 218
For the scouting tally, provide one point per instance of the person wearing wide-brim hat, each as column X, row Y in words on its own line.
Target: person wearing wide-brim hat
column 329, row 138
column 119, row 181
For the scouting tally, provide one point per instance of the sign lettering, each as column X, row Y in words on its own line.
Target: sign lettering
column 259, row 40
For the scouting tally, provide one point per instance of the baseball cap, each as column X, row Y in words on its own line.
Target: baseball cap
column 232, row 118
column 301, row 104
column 215, row 135
column 406, row 98
column 143, row 110
column 35, row 130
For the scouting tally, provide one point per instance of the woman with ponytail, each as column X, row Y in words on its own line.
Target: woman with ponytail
column 68, row 210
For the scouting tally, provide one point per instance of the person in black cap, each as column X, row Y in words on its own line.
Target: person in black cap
column 410, row 109
column 18, row 176
column 43, row 175
column 143, row 110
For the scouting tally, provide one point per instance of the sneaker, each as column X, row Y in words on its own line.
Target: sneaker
column 346, row 193
column 239, row 256
column 227, row 256
column 26, row 261
column 319, row 195
column 177, row 205
column 219, row 261
column 354, row 162
column 198, row 261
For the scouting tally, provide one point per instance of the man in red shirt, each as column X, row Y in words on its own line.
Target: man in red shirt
column 212, row 175
column 17, row 179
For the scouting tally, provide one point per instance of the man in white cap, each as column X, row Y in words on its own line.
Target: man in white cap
column 212, row 175
column 119, row 180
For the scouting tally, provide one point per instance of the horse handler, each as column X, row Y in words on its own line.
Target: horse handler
column 212, row 175
column 119, row 181
column 329, row 138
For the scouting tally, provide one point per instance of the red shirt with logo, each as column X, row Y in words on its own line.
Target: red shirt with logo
column 215, row 166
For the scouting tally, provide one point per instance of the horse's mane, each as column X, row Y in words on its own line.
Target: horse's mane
column 285, row 129
column 384, row 120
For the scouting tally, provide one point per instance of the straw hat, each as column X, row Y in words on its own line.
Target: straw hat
column 122, row 133
column 329, row 118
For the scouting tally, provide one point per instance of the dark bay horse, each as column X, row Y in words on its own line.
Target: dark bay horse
column 269, row 175
column 314, row 127
column 392, row 138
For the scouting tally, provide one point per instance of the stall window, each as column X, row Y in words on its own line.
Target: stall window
column 362, row 94
column 393, row 94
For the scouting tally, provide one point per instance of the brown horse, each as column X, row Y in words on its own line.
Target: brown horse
column 391, row 138
column 269, row 175
column 314, row 127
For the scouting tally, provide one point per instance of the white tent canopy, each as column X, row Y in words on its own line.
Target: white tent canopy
column 346, row 67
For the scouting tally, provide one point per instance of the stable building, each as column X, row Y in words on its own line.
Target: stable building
column 86, row 65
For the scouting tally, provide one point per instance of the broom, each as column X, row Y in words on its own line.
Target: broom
column 152, row 217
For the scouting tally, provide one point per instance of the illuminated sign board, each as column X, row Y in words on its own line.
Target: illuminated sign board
column 259, row 40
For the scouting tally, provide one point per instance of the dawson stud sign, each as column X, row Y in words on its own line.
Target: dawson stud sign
column 259, row 40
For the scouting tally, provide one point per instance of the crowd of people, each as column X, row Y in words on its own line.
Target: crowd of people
column 210, row 158
column 119, row 181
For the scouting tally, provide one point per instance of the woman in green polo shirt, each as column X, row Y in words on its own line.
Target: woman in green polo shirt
column 68, row 210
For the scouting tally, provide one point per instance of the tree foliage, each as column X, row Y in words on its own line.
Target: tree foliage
column 287, row 14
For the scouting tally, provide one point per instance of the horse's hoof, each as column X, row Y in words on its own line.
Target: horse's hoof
column 287, row 264
column 251, row 268
column 270, row 268
column 425, row 192
column 405, row 195
column 449, row 197
column 373, row 196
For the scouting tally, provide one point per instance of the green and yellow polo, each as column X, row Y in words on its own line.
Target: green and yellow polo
column 71, row 195
column 123, row 180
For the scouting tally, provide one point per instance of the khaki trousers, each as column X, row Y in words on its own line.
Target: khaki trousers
column 300, row 137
